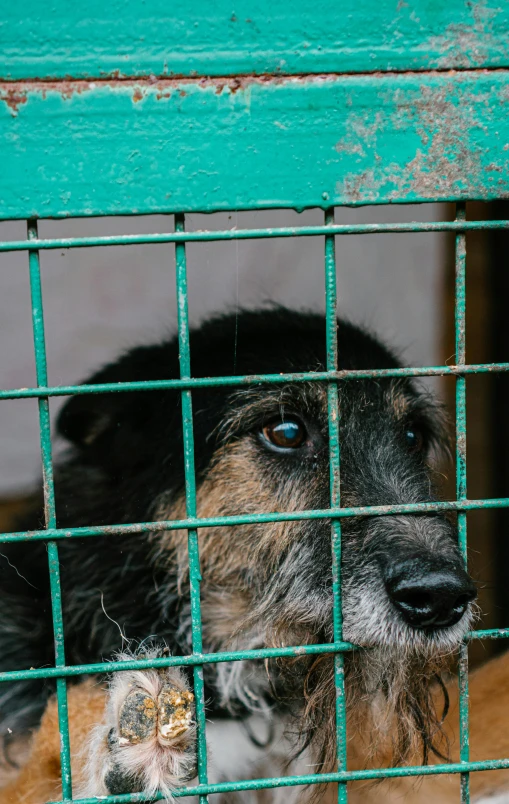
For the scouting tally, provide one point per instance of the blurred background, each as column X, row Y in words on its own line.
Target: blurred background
column 101, row 301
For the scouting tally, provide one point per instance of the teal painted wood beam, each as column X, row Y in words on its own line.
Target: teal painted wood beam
column 115, row 39
column 145, row 147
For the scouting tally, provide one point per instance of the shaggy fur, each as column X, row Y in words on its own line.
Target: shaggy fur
column 263, row 585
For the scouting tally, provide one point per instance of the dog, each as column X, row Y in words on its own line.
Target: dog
column 407, row 598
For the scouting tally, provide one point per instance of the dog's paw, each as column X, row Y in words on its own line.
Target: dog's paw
column 147, row 743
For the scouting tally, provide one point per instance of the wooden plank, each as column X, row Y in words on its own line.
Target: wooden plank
column 139, row 38
column 97, row 149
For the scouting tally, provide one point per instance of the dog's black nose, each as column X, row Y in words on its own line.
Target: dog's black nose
column 429, row 597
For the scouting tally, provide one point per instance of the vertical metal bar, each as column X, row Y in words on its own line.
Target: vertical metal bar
column 334, row 469
column 461, row 477
column 498, row 336
column 49, row 507
column 190, row 484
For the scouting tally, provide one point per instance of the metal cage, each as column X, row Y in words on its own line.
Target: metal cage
column 251, row 117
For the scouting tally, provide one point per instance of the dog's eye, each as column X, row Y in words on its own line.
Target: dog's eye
column 414, row 438
column 285, row 435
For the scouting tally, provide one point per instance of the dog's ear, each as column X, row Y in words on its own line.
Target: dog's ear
column 92, row 419
column 85, row 418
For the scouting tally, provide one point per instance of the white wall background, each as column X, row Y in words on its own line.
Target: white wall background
column 102, row 300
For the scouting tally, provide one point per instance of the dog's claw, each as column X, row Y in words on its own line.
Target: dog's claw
column 137, row 718
column 175, row 712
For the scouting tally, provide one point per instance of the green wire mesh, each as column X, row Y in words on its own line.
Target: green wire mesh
column 191, row 523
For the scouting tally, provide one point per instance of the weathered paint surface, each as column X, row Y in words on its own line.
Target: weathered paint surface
column 95, row 148
column 225, row 38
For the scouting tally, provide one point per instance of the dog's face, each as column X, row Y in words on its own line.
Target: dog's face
column 265, row 448
column 403, row 579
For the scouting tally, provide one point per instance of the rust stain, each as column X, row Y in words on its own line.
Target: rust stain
column 14, row 93
column 13, row 98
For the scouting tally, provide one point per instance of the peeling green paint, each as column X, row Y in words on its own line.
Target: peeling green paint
column 95, row 148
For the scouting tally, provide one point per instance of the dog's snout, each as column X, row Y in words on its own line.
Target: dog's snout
column 429, row 596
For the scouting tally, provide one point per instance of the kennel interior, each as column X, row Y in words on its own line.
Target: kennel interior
column 135, row 111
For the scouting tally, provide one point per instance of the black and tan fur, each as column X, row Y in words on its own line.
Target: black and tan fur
column 262, row 585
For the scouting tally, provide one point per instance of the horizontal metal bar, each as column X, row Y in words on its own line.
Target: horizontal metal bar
column 256, row 519
column 252, row 234
column 176, row 661
column 256, row 379
column 312, row 778
column 489, row 633
column 208, row 658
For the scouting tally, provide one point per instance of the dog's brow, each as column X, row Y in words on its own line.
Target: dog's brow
column 248, row 407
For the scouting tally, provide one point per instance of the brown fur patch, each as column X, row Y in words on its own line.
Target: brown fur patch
column 398, row 401
column 235, row 485
column 39, row 779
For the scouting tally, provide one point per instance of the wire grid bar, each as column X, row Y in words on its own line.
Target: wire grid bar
column 461, row 480
column 248, row 519
column 190, row 660
column 190, row 487
column 49, row 507
column 242, row 380
column 307, row 779
column 254, row 234
column 333, row 414
column 185, row 384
